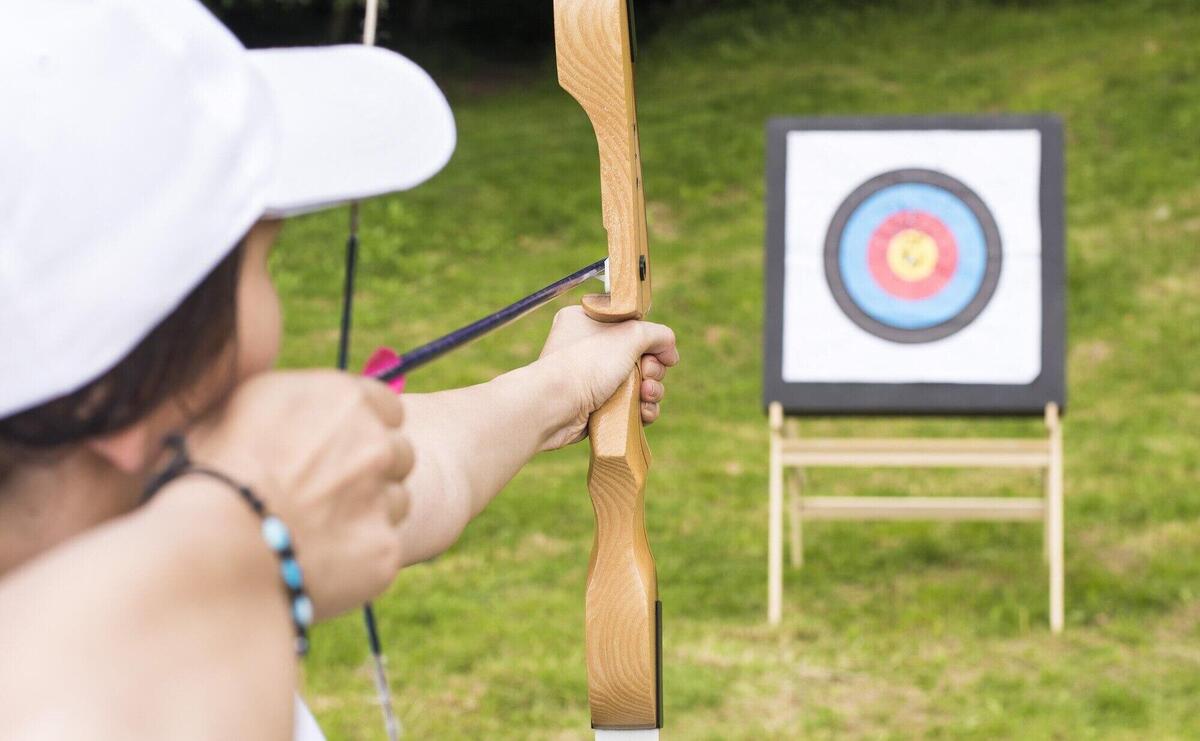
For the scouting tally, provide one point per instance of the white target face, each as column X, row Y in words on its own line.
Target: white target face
column 912, row 257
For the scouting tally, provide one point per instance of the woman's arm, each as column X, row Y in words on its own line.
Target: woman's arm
column 470, row 442
column 169, row 622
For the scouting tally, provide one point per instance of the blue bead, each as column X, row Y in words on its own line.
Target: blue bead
column 276, row 533
column 292, row 575
column 302, row 610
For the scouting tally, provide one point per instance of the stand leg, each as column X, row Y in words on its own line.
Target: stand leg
column 1054, row 520
column 795, row 484
column 775, row 522
column 1046, row 516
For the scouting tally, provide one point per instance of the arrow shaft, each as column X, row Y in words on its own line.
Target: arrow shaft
column 430, row 351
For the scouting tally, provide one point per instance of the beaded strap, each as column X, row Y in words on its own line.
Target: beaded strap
column 276, row 534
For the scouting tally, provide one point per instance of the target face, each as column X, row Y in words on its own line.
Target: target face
column 914, row 265
column 913, row 256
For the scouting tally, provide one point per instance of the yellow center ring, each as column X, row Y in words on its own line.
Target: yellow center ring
column 912, row 255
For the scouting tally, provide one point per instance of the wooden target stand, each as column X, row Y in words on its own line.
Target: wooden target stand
column 792, row 454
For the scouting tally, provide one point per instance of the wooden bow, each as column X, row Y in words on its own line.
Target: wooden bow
column 596, row 48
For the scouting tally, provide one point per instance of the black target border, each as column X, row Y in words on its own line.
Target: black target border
column 940, row 398
column 992, row 244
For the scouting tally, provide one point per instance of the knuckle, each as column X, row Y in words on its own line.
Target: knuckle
column 404, row 503
column 407, row 456
column 636, row 332
column 403, row 443
column 380, row 452
column 566, row 313
column 387, row 559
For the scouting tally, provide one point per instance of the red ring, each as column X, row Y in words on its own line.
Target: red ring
column 921, row 221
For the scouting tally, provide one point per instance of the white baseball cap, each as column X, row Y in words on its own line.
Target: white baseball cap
column 139, row 141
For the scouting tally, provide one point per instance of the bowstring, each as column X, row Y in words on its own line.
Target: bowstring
column 383, row 691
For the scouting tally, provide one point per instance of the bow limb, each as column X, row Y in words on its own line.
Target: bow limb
column 595, row 50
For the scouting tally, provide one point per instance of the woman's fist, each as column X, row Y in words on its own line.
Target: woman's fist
column 325, row 450
column 593, row 359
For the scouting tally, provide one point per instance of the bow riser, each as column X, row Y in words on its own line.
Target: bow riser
column 622, row 613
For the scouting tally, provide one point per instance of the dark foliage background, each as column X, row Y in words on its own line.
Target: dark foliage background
column 457, row 35
column 499, row 30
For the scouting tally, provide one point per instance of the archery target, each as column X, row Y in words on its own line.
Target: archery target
column 912, row 256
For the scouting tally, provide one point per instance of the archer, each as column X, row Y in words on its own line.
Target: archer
column 174, row 514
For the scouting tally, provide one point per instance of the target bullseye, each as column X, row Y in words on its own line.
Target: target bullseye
column 912, row 256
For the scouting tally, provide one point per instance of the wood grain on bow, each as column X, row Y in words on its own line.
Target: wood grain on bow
column 595, row 48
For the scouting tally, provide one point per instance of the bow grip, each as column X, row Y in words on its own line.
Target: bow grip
column 622, row 614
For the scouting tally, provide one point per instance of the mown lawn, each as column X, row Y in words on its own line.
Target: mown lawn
column 891, row 631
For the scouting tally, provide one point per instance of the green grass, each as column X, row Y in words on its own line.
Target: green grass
column 891, row 630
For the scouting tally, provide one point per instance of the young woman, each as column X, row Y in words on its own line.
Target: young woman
column 148, row 161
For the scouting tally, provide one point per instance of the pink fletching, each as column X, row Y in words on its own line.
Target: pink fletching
column 383, row 359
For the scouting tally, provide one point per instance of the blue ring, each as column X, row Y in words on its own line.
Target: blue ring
column 952, row 298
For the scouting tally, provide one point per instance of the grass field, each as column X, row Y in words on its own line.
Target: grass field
column 891, row 630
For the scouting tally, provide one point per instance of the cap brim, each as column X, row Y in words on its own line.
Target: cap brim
column 352, row 122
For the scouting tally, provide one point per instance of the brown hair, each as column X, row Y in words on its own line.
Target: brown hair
column 167, row 361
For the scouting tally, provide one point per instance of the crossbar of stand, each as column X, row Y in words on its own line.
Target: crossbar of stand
column 964, row 453
column 923, row 508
